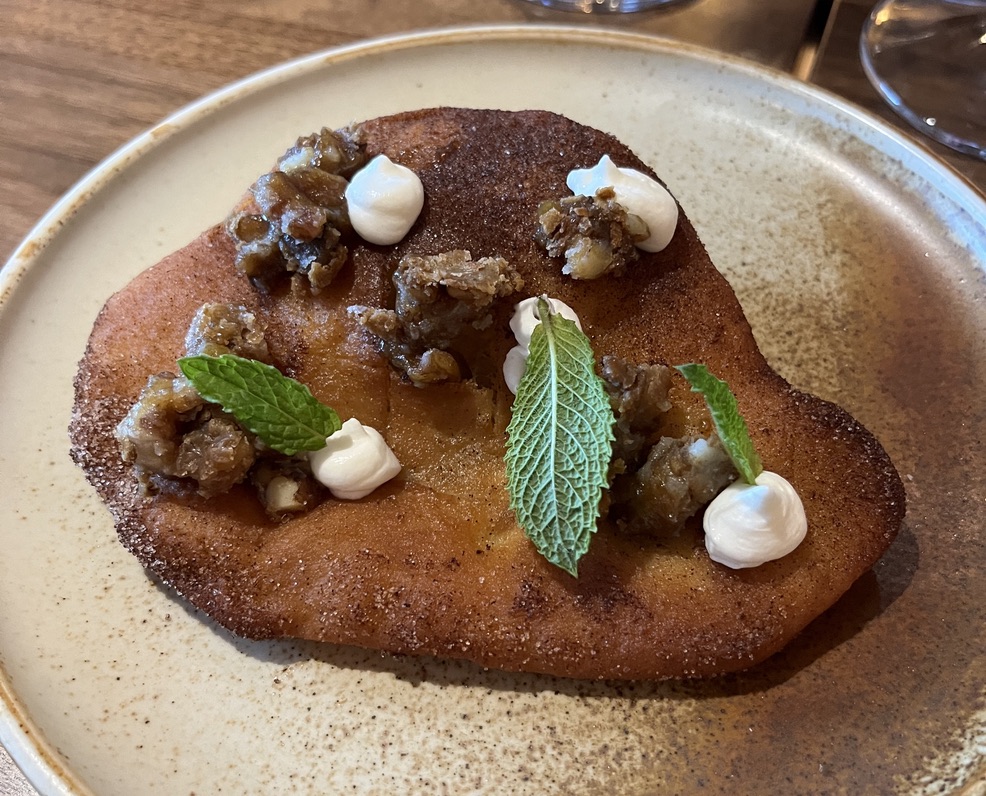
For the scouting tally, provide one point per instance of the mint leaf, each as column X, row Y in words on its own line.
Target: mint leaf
column 730, row 425
column 559, row 442
column 279, row 410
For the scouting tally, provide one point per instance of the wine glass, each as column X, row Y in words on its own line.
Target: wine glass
column 927, row 58
column 605, row 6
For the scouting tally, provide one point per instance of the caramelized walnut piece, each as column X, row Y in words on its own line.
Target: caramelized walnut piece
column 285, row 486
column 678, row 478
column 258, row 254
column 281, row 202
column 318, row 261
column 438, row 298
column 432, row 367
column 332, row 151
column 149, row 434
column 439, row 295
column 594, row 234
column 638, row 395
column 657, row 482
column 170, row 432
column 219, row 329
column 302, row 214
column 423, row 366
column 217, row 453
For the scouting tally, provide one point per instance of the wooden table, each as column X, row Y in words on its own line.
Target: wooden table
column 78, row 78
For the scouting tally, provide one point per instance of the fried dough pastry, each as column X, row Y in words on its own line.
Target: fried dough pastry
column 433, row 562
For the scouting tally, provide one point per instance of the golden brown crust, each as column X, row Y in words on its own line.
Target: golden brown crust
column 433, row 563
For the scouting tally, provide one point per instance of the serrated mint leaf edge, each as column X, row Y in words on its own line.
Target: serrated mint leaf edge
column 227, row 379
column 724, row 409
column 560, row 527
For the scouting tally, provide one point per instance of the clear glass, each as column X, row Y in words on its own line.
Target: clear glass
column 606, row 6
column 927, row 58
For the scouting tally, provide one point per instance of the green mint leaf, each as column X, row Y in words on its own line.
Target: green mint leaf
column 279, row 410
column 729, row 423
column 559, row 442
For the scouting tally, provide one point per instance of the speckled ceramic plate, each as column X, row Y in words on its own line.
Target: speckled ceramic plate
column 859, row 259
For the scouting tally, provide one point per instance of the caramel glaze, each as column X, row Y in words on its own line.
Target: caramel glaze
column 433, row 562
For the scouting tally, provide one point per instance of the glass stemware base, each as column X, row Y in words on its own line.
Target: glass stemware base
column 606, row 6
column 927, row 59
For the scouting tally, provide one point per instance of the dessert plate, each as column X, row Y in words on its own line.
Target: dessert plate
column 859, row 259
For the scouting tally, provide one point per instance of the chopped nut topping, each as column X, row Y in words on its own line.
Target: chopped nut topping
column 423, row 366
column 639, row 397
column 285, row 486
column 432, row 367
column 173, row 437
column 219, row 329
column 217, row 453
column 678, row 478
column 657, row 481
column 171, row 432
column 594, row 234
column 335, row 152
column 302, row 213
column 438, row 297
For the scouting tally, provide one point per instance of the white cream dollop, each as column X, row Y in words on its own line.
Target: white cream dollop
column 747, row 525
column 522, row 324
column 354, row 462
column 637, row 192
column 384, row 200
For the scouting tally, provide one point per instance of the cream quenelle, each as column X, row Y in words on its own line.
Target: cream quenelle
column 747, row 525
column 354, row 462
column 384, row 200
column 522, row 324
column 638, row 193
